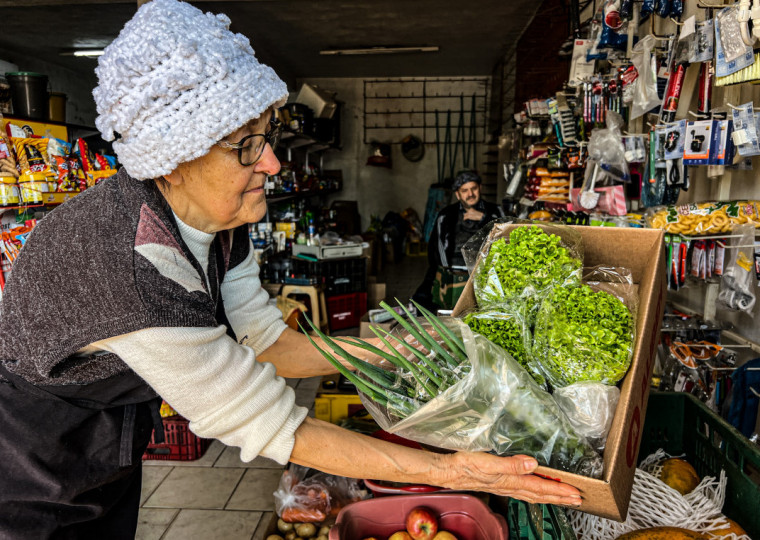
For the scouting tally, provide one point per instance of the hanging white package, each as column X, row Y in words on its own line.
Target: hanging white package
column 645, row 96
column 703, row 46
column 745, row 135
column 737, row 290
column 727, row 26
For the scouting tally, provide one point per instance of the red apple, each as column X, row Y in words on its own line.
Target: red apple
column 400, row 535
column 421, row 524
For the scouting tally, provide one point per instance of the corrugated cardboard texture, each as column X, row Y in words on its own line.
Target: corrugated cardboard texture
column 641, row 251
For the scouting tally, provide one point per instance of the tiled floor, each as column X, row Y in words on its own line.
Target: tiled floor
column 220, row 497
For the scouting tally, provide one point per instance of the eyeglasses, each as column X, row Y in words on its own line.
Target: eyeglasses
column 251, row 147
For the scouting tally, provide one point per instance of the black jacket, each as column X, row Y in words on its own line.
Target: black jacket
column 442, row 246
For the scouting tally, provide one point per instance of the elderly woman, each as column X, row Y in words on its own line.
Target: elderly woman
column 145, row 285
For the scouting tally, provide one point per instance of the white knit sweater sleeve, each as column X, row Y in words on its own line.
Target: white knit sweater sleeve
column 255, row 322
column 218, row 385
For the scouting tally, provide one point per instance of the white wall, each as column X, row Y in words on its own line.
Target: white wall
column 378, row 190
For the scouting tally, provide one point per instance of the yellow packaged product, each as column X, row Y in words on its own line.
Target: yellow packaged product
column 32, row 159
column 9, row 193
column 32, row 192
column 704, row 218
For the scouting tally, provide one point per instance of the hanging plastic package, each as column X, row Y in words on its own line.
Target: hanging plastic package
column 732, row 54
column 606, row 149
column 647, row 8
column 737, row 290
column 703, row 45
column 745, row 135
column 663, row 7
column 645, row 96
column 676, row 9
column 611, row 37
column 626, row 9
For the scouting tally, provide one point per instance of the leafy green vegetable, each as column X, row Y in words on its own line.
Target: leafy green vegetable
column 507, row 330
column 582, row 335
column 526, row 265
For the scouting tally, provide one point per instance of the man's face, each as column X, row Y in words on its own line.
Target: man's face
column 469, row 194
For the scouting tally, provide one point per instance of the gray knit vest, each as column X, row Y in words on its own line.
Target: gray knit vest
column 108, row 262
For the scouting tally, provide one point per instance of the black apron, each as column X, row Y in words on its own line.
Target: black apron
column 71, row 457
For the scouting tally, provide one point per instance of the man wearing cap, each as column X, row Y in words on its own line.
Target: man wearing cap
column 455, row 225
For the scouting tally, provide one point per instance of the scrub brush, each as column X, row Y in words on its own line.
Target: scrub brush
column 590, row 198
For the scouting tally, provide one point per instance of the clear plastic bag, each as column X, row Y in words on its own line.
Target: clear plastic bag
column 526, row 264
column 507, row 327
column 494, row 406
column 606, row 149
column 299, row 499
column 645, row 96
column 306, row 495
column 587, row 333
column 737, row 290
column 590, row 408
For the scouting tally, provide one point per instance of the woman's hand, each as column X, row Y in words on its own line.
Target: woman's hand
column 507, row 476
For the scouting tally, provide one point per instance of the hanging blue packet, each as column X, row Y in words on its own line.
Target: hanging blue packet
column 663, row 7
column 626, row 9
column 676, row 9
column 647, row 8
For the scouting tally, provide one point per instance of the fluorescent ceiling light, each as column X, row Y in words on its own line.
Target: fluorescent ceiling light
column 83, row 52
column 376, row 50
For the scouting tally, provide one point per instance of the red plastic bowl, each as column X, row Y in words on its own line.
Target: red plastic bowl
column 464, row 516
column 381, row 489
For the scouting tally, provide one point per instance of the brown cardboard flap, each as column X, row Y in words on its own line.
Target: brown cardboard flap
column 642, row 252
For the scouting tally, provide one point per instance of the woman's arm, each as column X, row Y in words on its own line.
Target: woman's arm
column 334, row 450
column 295, row 357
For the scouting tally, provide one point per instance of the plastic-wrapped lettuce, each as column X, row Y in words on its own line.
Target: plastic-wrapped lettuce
column 582, row 334
column 526, row 265
column 508, row 328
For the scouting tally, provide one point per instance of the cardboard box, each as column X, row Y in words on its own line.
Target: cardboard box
column 318, row 100
column 365, row 332
column 641, row 251
column 375, row 294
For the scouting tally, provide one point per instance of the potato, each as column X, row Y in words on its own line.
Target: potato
column 322, row 537
column 324, row 530
column 274, row 537
column 290, row 535
column 284, row 526
column 306, row 530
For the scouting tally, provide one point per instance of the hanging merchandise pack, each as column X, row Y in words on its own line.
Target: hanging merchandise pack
column 702, row 46
column 737, row 290
column 746, row 130
column 732, row 54
column 645, row 97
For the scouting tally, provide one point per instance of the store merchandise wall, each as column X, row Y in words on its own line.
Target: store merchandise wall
column 377, row 189
column 738, row 185
column 80, row 105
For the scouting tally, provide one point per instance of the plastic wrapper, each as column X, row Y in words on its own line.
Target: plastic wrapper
column 508, row 328
column 525, row 265
column 32, row 159
column 587, row 333
column 737, row 290
column 645, row 96
column 493, row 406
column 306, row 495
column 590, row 408
column 607, row 151
column 704, row 218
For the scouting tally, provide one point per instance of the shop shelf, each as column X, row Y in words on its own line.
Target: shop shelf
column 180, row 443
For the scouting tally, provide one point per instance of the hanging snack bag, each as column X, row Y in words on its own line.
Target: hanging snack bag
column 704, row 218
column 75, row 171
column 7, row 159
column 31, row 155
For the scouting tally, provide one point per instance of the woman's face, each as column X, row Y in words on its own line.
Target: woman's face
column 215, row 192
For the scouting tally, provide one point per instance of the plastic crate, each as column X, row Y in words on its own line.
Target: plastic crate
column 339, row 276
column 681, row 424
column 180, row 443
column 465, row 516
column 346, row 310
column 538, row 522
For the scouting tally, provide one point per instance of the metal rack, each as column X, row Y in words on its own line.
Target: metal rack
column 396, row 107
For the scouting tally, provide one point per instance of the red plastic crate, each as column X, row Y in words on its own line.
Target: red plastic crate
column 346, row 310
column 180, row 443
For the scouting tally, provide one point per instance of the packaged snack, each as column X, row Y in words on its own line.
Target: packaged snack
column 704, row 218
column 9, row 193
column 32, row 159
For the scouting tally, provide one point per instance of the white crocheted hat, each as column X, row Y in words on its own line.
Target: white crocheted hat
column 176, row 81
